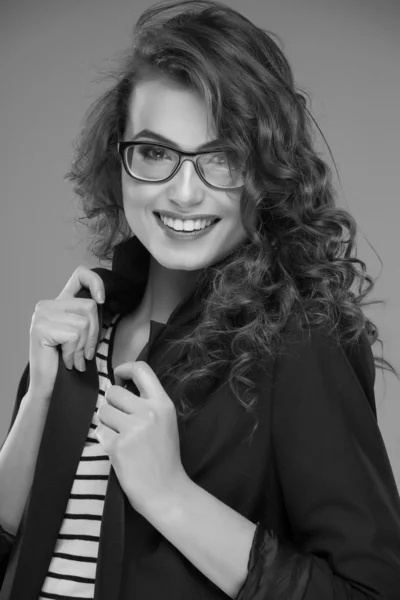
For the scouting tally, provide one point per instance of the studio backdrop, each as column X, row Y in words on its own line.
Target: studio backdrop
column 345, row 55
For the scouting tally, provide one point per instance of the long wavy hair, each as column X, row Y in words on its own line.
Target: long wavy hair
column 298, row 266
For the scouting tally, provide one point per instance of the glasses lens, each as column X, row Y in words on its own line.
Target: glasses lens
column 155, row 163
column 151, row 162
column 221, row 169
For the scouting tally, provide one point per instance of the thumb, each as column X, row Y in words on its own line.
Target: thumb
column 123, row 373
column 143, row 377
column 83, row 277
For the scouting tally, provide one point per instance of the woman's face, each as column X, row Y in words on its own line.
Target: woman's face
column 164, row 107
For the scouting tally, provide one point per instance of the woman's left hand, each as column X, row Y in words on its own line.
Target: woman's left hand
column 140, row 435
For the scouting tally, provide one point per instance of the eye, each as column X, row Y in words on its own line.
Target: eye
column 219, row 159
column 215, row 160
column 153, row 153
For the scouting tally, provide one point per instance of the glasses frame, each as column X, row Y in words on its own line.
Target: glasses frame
column 183, row 156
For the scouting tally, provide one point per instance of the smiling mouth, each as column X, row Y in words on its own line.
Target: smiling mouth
column 215, row 220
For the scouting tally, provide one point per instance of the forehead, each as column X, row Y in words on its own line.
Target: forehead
column 171, row 109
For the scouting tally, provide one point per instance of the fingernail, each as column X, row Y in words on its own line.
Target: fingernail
column 99, row 296
column 90, row 354
column 81, row 365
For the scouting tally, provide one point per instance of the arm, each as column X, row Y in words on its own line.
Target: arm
column 19, row 450
column 18, row 458
column 6, row 538
column 336, row 479
column 339, row 492
column 213, row 536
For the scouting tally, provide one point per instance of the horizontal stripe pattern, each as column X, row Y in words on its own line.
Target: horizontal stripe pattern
column 72, row 570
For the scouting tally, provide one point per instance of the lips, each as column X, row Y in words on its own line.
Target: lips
column 183, row 235
column 188, row 232
column 214, row 219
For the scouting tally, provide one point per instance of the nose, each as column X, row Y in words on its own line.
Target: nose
column 186, row 186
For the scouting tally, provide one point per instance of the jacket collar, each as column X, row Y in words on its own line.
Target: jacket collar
column 125, row 285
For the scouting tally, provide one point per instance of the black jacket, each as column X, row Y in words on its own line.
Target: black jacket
column 316, row 477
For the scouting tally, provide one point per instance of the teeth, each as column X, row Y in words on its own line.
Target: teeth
column 187, row 225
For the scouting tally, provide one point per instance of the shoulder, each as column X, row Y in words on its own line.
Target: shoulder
column 316, row 363
column 317, row 344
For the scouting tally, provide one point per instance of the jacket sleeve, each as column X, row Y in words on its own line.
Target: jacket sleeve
column 7, row 539
column 338, row 487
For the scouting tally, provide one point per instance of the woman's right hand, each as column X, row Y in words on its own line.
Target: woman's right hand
column 67, row 321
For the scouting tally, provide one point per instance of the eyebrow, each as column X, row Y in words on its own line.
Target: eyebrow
column 161, row 138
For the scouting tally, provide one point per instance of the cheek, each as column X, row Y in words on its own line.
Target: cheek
column 231, row 235
column 240, row 234
column 129, row 187
column 135, row 197
column 238, row 225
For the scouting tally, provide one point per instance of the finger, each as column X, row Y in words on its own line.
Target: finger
column 83, row 277
column 119, row 400
column 143, row 376
column 107, row 437
column 122, row 399
column 112, row 417
column 65, row 310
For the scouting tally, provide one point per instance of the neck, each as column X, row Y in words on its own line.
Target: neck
column 165, row 289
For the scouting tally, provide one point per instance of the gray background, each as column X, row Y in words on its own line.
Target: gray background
column 346, row 54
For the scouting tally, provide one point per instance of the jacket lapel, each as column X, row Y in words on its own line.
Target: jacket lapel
column 112, row 533
column 67, row 424
column 69, row 416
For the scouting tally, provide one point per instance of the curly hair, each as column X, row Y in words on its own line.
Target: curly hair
column 298, row 266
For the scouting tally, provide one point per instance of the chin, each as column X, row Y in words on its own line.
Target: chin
column 183, row 266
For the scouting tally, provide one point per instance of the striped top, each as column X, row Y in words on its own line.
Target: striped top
column 72, row 569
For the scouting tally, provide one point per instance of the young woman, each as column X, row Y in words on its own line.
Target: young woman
column 220, row 439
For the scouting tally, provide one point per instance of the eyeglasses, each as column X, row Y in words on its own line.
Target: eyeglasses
column 159, row 163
